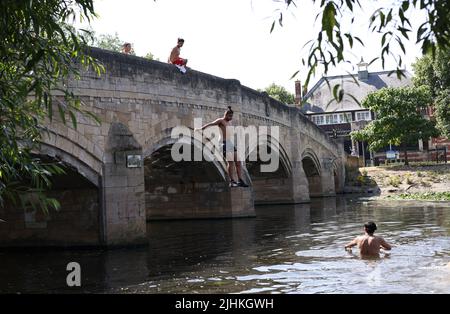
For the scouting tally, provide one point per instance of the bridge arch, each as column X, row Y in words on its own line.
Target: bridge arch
column 184, row 189
column 270, row 187
column 274, row 147
column 78, row 219
column 69, row 160
column 166, row 141
column 312, row 169
column 75, row 147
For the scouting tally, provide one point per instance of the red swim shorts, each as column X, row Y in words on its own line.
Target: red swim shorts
column 178, row 61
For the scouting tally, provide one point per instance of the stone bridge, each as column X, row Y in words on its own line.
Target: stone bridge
column 106, row 201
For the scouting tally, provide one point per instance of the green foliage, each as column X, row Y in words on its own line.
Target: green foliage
column 399, row 119
column 409, row 179
column 39, row 51
column 109, row 42
column 395, row 181
column 442, row 112
column 150, row 56
column 392, row 20
column 424, row 196
column 280, row 93
column 114, row 43
column 434, row 72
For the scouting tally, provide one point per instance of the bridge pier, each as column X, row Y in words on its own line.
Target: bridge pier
column 300, row 187
column 328, row 186
column 283, row 190
column 197, row 201
column 123, row 203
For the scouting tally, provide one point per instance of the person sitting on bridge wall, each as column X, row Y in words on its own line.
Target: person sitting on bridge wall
column 229, row 149
column 175, row 54
column 126, row 48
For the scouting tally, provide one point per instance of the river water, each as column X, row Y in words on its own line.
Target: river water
column 285, row 249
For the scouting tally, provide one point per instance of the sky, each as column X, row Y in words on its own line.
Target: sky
column 232, row 39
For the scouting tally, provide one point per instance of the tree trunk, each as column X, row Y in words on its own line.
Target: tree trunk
column 406, row 154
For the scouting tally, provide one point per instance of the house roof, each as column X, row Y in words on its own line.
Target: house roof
column 320, row 98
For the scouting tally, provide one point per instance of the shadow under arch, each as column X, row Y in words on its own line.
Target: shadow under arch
column 215, row 158
column 77, row 222
column 312, row 169
column 71, row 161
column 185, row 189
column 270, row 186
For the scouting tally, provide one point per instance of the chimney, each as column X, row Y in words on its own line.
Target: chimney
column 363, row 74
column 298, row 92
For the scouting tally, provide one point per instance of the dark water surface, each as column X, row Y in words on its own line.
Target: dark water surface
column 285, row 249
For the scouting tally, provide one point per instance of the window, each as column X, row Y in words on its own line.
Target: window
column 317, row 119
column 348, row 116
column 363, row 116
column 333, row 118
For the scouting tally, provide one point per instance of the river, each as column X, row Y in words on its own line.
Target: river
column 285, row 249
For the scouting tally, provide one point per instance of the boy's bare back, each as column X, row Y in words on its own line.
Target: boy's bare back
column 174, row 54
column 369, row 244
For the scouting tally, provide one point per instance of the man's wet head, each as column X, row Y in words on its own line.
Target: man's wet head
column 228, row 114
column 370, row 227
column 180, row 42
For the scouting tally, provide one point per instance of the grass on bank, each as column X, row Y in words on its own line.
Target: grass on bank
column 422, row 196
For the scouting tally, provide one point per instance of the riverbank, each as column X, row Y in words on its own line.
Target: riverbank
column 418, row 181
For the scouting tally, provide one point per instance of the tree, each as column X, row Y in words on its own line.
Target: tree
column 398, row 118
column 150, row 56
column 109, row 42
column 279, row 93
column 391, row 20
column 114, row 43
column 39, row 51
column 442, row 112
column 434, row 72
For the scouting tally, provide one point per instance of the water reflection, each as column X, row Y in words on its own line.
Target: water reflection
column 286, row 249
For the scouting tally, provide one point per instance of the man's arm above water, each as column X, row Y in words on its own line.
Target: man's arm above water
column 352, row 243
column 385, row 245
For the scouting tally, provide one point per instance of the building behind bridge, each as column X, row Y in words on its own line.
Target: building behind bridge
column 338, row 120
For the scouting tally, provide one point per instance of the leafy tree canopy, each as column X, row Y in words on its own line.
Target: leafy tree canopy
column 39, row 51
column 391, row 20
column 109, row 42
column 398, row 117
column 114, row 43
column 279, row 93
column 434, row 72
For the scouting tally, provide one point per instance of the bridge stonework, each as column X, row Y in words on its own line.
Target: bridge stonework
column 139, row 102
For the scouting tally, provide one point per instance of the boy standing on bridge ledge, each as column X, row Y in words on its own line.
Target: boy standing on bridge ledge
column 229, row 150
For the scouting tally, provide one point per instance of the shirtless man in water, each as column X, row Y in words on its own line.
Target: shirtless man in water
column 229, row 150
column 368, row 244
column 175, row 54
